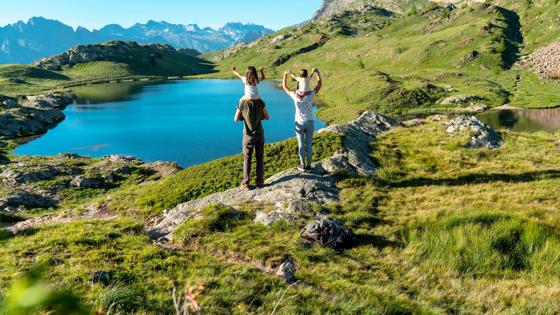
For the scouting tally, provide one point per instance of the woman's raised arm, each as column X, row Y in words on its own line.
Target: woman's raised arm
column 319, row 81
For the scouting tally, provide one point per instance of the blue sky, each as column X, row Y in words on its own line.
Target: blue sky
column 96, row 13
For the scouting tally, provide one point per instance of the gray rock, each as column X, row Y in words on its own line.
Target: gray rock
column 268, row 218
column 279, row 38
column 287, row 270
column 281, row 189
column 27, row 200
column 165, row 168
column 101, row 276
column 459, row 99
column 327, row 232
column 18, row 177
column 476, row 108
column 482, row 136
column 27, row 121
column 87, row 182
column 22, row 173
column 354, row 158
column 68, row 156
column 115, row 158
column 412, row 122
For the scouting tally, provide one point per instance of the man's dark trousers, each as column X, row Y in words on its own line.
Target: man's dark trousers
column 250, row 145
column 253, row 138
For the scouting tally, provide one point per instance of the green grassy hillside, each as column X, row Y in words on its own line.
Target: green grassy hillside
column 440, row 228
column 406, row 63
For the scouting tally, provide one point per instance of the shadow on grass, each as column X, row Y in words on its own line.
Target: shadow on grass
column 374, row 241
column 477, row 178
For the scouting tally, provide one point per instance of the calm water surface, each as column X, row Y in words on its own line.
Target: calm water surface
column 526, row 120
column 188, row 122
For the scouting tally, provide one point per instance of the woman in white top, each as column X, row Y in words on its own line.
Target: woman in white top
column 251, row 82
column 304, row 119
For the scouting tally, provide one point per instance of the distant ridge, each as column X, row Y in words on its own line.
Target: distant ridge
column 25, row 42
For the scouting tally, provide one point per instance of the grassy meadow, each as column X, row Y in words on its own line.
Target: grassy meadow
column 442, row 229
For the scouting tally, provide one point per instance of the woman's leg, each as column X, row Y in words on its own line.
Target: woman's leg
column 300, row 135
column 310, row 128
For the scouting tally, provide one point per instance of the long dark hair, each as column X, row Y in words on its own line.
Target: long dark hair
column 252, row 76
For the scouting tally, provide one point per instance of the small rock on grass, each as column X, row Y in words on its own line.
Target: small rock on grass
column 87, row 182
column 287, row 270
column 482, row 136
column 101, row 276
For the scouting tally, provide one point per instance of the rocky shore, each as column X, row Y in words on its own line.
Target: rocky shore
column 32, row 115
column 43, row 182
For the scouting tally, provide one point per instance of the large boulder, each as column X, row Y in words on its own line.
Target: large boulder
column 354, row 159
column 85, row 182
column 27, row 200
column 34, row 116
column 481, row 135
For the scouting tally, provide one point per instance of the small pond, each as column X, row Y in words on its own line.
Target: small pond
column 521, row 119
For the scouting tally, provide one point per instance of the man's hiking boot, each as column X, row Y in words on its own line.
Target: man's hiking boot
column 260, row 185
column 308, row 168
column 301, row 168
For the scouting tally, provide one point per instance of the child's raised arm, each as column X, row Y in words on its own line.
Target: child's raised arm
column 292, row 75
column 234, row 69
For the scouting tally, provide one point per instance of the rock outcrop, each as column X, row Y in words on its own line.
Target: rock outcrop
column 288, row 195
column 32, row 116
column 116, row 51
column 481, row 135
column 354, row 158
column 39, row 182
column 459, row 99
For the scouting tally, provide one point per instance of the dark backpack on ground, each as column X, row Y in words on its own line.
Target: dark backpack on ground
column 329, row 233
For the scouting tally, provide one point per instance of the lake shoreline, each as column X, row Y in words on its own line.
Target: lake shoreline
column 170, row 103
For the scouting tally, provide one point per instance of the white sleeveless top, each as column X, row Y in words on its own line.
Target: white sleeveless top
column 304, row 84
column 251, row 91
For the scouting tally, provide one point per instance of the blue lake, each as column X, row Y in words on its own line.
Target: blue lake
column 188, row 122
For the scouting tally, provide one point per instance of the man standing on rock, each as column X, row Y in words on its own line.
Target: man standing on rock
column 252, row 112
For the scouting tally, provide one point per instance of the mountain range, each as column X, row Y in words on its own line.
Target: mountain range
column 25, row 42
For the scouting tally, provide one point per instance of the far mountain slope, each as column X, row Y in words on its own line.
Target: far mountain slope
column 410, row 61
